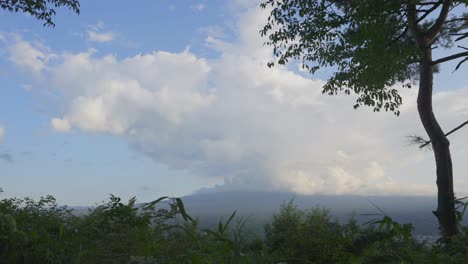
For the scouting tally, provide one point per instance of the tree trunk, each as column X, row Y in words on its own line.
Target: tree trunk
column 445, row 212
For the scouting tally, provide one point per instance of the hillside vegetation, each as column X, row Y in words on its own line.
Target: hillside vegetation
column 164, row 232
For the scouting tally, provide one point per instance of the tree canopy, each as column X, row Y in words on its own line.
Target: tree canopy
column 41, row 9
column 370, row 42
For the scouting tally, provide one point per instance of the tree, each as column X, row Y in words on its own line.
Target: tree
column 375, row 45
column 41, row 9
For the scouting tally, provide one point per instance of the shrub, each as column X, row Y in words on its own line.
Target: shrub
column 163, row 232
column 301, row 236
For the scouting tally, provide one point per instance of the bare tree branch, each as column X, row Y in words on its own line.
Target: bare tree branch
column 428, row 11
column 428, row 3
column 459, row 64
column 440, row 21
column 456, row 19
column 451, row 57
column 451, row 131
column 465, row 35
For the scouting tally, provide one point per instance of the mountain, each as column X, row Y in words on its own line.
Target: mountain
column 209, row 208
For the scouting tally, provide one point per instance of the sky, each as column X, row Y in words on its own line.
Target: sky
column 174, row 97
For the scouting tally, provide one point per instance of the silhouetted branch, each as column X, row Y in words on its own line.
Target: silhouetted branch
column 456, row 19
column 465, row 35
column 451, row 131
column 428, row 11
column 451, row 57
column 459, row 64
column 439, row 22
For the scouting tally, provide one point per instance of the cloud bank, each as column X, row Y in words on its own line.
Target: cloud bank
column 238, row 121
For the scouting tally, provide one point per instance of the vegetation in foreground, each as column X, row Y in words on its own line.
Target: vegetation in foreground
column 162, row 232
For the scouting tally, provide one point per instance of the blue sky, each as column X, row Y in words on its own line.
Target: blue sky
column 168, row 97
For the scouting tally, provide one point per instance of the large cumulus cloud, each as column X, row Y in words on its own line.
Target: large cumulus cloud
column 249, row 126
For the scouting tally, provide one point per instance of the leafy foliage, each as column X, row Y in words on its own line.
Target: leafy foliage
column 36, row 230
column 369, row 42
column 297, row 236
column 41, row 9
column 116, row 232
column 365, row 40
column 158, row 232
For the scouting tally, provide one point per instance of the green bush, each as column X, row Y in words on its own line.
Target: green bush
column 42, row 231
column 163, row 232
column 116, row 232
column 301, row 236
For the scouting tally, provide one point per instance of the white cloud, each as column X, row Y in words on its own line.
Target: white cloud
column 199, row 7
column 61, row 125
column 101, row 37
column 213, row 31
column 249, row 126
column 96, row 33
column 2, row 134
column 27, row 87
column 28, row 56
column 225, row 150
column 107, row 95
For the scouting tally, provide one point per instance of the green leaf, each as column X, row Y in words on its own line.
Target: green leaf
column 229, row 220
column 153, row 203
column 181, row 207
